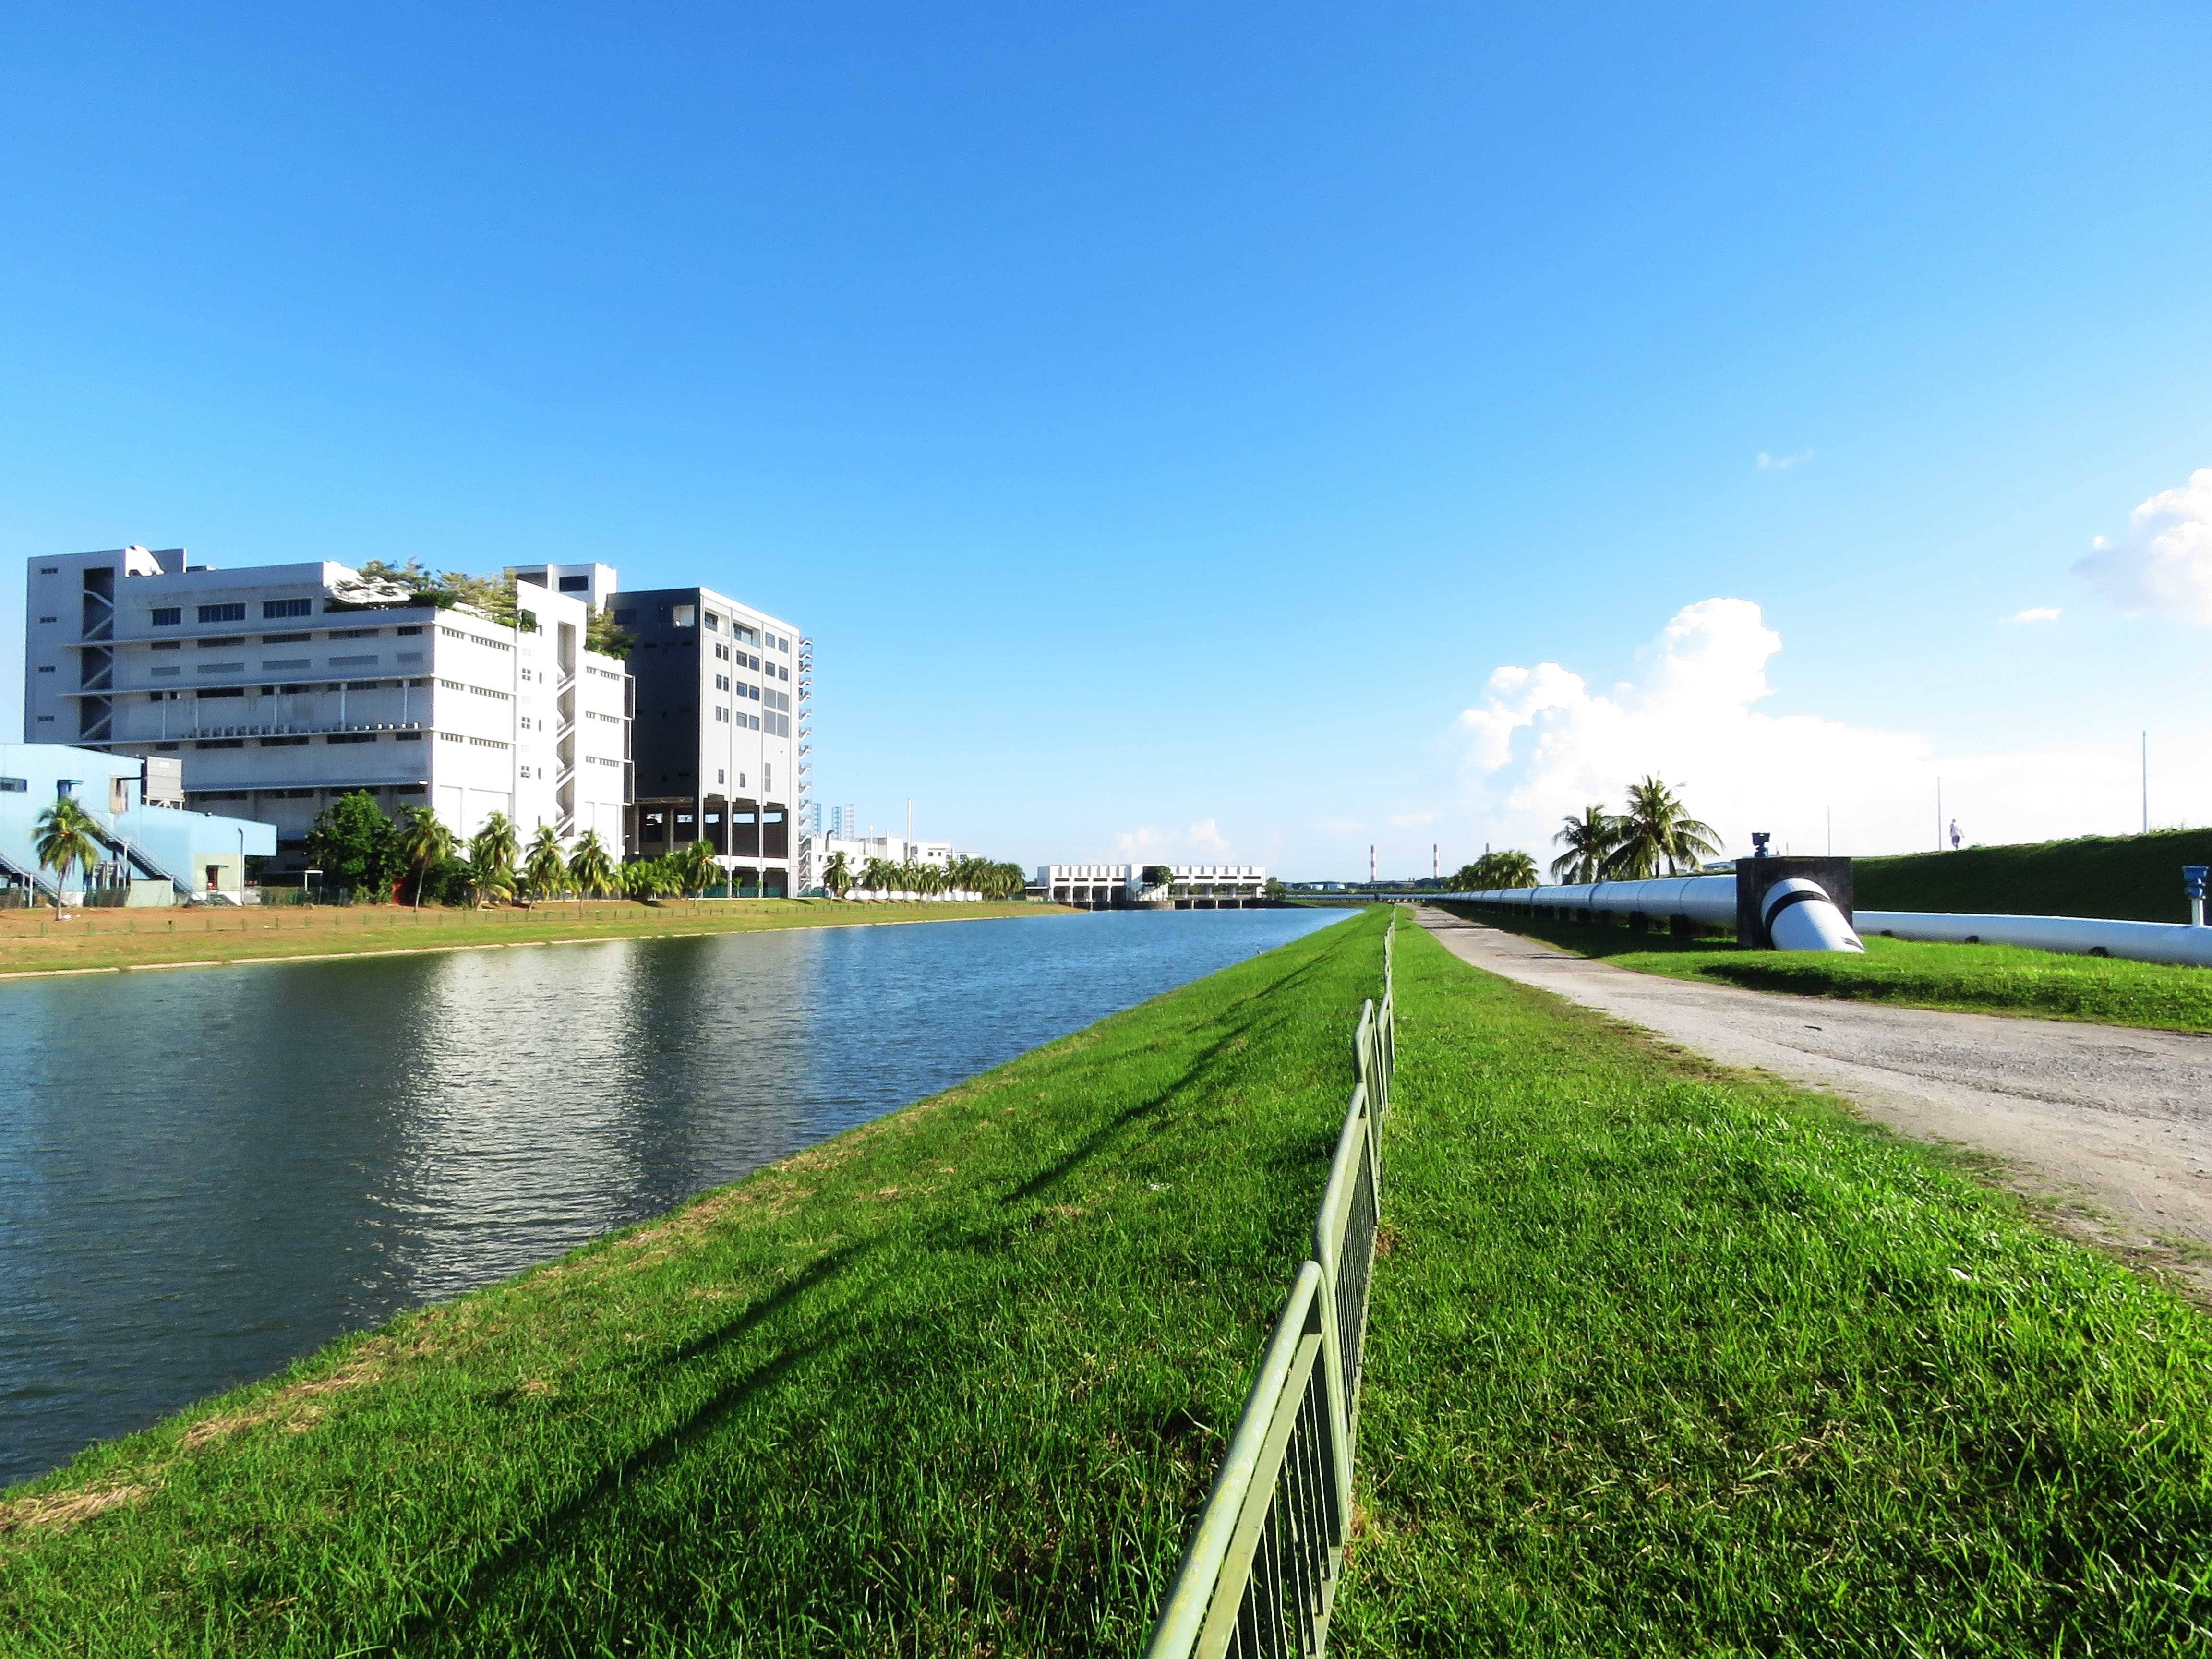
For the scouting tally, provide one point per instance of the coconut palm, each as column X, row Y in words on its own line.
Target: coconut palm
column 423, row 842
column 837, row 878
column 590, row 870
column 491, row 858
column 696, row 867
column 545, row 868
column 1589, row 841
column 878, row 875
column 66, row 836
column 1656, row 828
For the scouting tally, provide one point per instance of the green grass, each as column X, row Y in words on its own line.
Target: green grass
column 2129, row 877
column 955, row 1383
column 1662, row 1361
column 1665, row 1362
column 1982, row 979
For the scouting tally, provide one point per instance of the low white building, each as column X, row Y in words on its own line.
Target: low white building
column 893, row 850
column 280, row 693
column 1183, row 886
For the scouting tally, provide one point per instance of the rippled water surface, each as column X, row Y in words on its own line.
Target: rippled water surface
column 206, row 1174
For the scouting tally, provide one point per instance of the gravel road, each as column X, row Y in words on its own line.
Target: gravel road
column 2110, row 1126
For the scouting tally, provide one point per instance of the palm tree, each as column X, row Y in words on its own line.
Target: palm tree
column 545, row 871
column 1657, row 827
column 878, row 875
column 491, row 857
column 423, row 842
column 1589, row 841
column 67, row 836
column 590, row 868
column 838, row 877
column 696, row 867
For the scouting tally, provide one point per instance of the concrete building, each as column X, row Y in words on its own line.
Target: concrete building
column 1179, row 887
column 280, row 687
column 721, row 741
column 896, row 849
column 155, row 852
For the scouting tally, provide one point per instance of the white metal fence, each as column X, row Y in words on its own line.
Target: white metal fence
column 1261, row 1573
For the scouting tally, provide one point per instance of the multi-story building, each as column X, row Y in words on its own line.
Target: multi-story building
column 720, row 742
column 282, row 687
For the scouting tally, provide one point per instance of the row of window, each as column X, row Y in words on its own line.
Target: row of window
column 223, row 642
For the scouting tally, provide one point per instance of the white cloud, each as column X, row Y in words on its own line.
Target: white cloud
column 1542, row 745
column 1203, row 837
column 2164, row 562
column 1783, row 463
column 2035, row 613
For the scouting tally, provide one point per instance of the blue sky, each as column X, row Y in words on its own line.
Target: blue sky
column 1167, row 422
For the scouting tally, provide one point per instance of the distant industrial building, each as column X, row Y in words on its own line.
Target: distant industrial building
column 154, row 851
column 1161, row 886
column 280, row 687
column 720, row 740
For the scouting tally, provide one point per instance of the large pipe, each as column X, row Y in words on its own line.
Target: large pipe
column 2138, row 941
column 1800, row 915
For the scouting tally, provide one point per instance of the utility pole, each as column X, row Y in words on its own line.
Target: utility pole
column 1939, row 814
column 1370, row 863
column 1436, row 863
column 909, row 827
column 2145, row 783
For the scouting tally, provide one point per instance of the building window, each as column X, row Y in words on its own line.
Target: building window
column 220, row 743
column 50, row 619
column 684, row 615
column 722, row 715
column 218, row 613
column 272, row 609
column 416, row 629
column 206, row 693
column 286, row 639
column 625, row 619
column 46, row 668
column 351, row 737
column 721, row 681
column 14, row 786
column 575, row 584
column 163, row 615
column 168, row 645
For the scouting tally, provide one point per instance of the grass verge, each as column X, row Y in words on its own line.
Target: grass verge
column 955, row 1382
column 33, row 942
column 1665, row 1361
column 1982, row 979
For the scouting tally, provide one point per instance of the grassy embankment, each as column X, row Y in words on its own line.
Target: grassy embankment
column 1672, row 1362
column 2127, row 877
column 953, row 1382
column 1662, row 1361
column 1982, row 979
column 32, row 941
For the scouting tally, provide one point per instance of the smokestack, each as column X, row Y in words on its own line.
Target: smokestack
column 1370, row 863
column 1435, row 863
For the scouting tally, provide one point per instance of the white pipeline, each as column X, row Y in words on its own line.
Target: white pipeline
column 1799, row 913
column 2136, row 941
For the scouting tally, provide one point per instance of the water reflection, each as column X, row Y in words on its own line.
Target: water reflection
column 206, row 1174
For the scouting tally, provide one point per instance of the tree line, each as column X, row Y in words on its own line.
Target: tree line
column 985, row 877
column 419, row 859
column 1654, row 830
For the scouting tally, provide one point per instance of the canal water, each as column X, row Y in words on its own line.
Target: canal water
column 205, row 1173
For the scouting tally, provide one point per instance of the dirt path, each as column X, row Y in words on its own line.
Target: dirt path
column 2108, row 1127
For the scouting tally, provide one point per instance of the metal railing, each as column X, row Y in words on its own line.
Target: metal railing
column 1261, row 1573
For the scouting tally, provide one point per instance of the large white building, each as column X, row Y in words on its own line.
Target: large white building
column 279, row 693
column 1183, row 886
